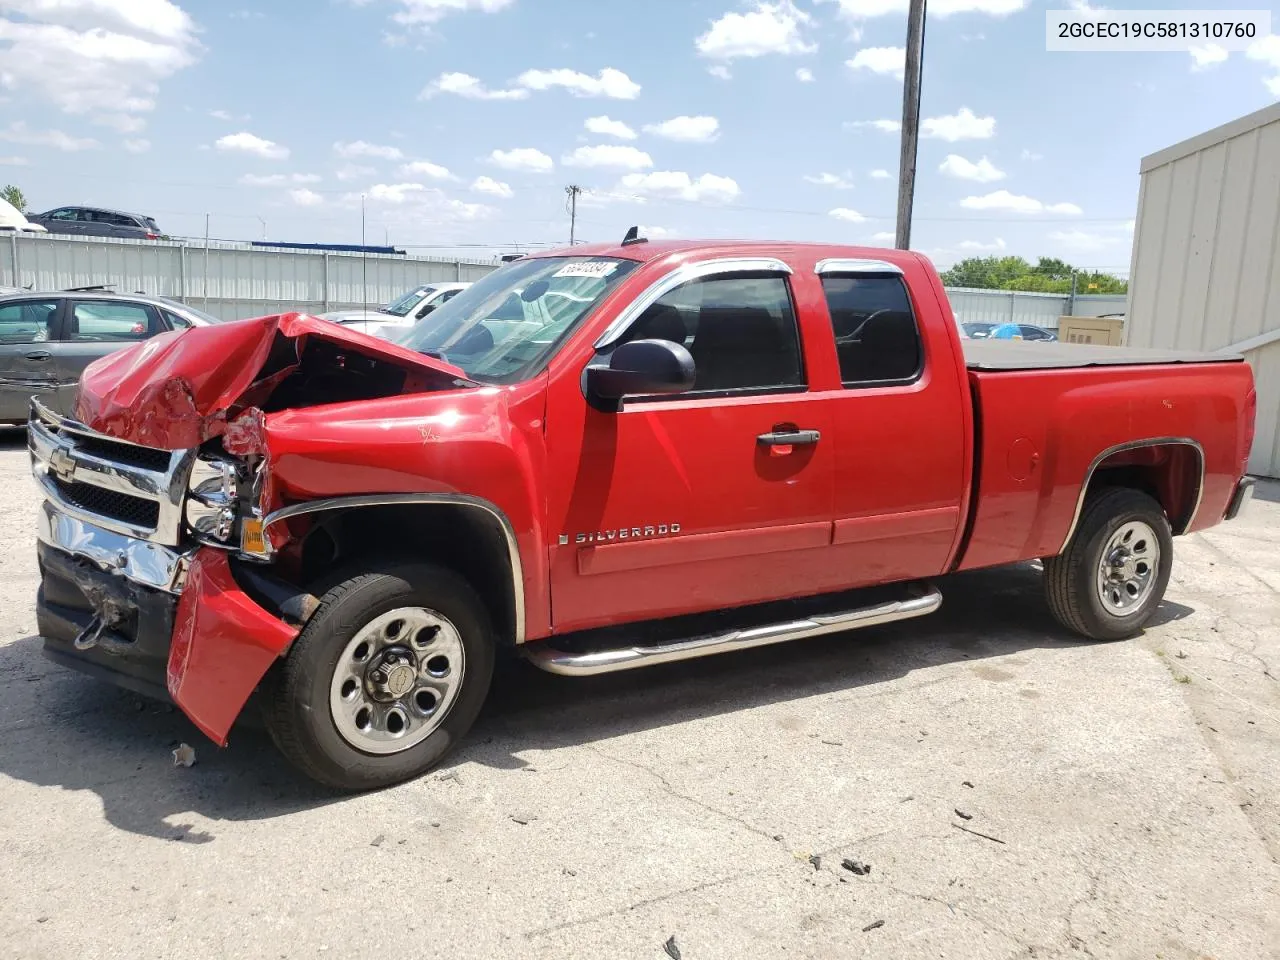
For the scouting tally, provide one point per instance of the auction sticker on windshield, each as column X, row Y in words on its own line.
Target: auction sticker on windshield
column 588, row 268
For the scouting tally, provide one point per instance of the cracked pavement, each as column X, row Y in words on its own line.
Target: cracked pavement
column 1122, row 797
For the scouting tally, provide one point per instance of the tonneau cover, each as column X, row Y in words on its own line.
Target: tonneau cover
column 1026, row 355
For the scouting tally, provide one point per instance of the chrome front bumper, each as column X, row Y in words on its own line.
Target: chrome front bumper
column 145, row 563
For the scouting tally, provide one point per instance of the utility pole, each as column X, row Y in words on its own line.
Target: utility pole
column 910, row 121
column 573, row 190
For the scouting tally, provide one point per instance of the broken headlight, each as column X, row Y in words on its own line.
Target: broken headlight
column 213, row 498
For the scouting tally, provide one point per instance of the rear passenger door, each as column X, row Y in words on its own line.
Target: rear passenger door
column 26, row 358
column 714, row 498
column 93, row 328
column 899, row 429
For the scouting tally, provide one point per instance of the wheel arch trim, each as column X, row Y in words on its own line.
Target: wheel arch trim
column 425, row 499
column 1137, row 445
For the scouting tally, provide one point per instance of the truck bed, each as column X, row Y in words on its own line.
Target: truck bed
column 997, row 355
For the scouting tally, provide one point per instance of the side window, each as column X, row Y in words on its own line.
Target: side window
column 103, row 320
column 446, row 296
column 66, row 213
column 28, row 321
column 86, row 216
column 876, row 336
column 741, row 331
column 176, row 322
column 119, row 220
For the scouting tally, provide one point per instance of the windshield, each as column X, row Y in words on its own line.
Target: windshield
column 402, row 306
column 500, row 329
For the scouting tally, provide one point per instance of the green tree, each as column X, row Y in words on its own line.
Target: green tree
column 1047, row 275
column 15, row 196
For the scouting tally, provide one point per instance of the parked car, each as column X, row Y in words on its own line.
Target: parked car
column 47, row 339
column 706, row 446
column 1008, row 331
column 399, row 314
column 978, row 331
column 12, row 220
column 97, row 222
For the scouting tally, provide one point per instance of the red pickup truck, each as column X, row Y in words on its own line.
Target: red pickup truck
column 603, row 457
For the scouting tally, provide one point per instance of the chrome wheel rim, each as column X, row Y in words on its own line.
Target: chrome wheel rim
column 1129, row 567
column 396, row 680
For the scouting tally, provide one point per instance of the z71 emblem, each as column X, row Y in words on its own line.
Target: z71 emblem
column 623, row 533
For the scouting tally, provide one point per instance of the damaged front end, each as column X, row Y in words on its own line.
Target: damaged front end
column 151, row 533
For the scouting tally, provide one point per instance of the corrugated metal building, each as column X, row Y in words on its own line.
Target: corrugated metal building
column 1206, row 257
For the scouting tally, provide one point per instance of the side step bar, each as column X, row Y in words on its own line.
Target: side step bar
column 925, row 600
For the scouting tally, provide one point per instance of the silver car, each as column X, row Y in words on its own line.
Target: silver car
column 399, row 314
column 47, row 339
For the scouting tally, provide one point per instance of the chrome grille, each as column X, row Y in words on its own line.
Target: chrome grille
column 123, row 487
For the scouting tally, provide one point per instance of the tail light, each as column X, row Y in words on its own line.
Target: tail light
column 153, row 236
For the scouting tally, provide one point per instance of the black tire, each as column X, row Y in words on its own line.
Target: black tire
column 1071, row 578
column 296, row 692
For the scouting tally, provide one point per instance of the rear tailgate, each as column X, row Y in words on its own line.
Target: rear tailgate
column 1042, row 423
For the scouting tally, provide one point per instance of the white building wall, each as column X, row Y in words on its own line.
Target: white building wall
column 1206, row 257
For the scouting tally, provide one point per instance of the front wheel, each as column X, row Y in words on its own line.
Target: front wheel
column 386, row 677
column 1112, row 576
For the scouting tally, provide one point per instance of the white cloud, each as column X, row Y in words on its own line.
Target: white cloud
column 123, row 122
column 494, row 188
column 884, row 126
column 964, row 125
column 984, row 171
column 861, row 9
column 373, row 151
column 465, row 85
column 19, row 132
column 884, row 236
column 426, row 12
column 305, row 198
column 1207, row 56
column 244, row 142
column 618, row 156
column 830, row 180
column 881, row 175
column 1015, row 203
column 769, row 28
column 609, row 82
column 141, row 145
column 804, row 75
column 890, row 61
column 609, row 128
column 425, row 168
column 1083, row 240
column 13, row 161
column 353, row 171
column 394, row 192
column 1273, row 84
column 1031, row 155
column 228, row 116
column 686, row 129
column 412, row 203
column 276, row 179
column 522, row 158
column 844, row 213
column 720, row 72
column 1267, row 50
column 977, row 246
column 96, row 57
column 676, row 184
column 655, row 233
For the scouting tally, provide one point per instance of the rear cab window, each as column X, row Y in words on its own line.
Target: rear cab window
column 876, row 331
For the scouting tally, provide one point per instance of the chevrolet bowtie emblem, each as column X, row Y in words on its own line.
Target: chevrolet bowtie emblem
column 62, row 465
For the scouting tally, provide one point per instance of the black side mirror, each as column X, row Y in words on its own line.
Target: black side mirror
column 641, row 368
column 429, row 308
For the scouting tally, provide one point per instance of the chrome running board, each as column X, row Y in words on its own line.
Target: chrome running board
column 924, row 599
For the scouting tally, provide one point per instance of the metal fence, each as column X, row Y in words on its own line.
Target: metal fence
column 1041, row 309
column 232, row 280
column 227, row 280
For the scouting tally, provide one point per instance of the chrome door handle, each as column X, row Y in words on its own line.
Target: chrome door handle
column 788, row 438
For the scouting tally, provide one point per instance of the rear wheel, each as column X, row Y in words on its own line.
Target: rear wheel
column 1113, row 574
column 386, row 677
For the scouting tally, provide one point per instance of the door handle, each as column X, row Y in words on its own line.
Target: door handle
column 788, row 438
column 39, row 355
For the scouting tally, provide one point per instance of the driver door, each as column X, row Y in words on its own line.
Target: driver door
column 681, row 503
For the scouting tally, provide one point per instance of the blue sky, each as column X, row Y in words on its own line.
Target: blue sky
column 461, row 121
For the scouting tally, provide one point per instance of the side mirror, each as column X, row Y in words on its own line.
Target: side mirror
column 641, row 368
column 427, row 309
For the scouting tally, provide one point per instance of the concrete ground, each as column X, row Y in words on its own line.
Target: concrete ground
column 1015, row 793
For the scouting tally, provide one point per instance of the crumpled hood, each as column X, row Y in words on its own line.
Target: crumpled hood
column 179, row 389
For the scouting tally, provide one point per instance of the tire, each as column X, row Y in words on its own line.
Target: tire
column 1116, row 604
column 405, row 615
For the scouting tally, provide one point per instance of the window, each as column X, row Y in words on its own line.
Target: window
column 741, row 331
column 118, row 219
column 66, row 213
column 875, row 329
column 177, row 322
column 27, row 321
column 102, row 320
